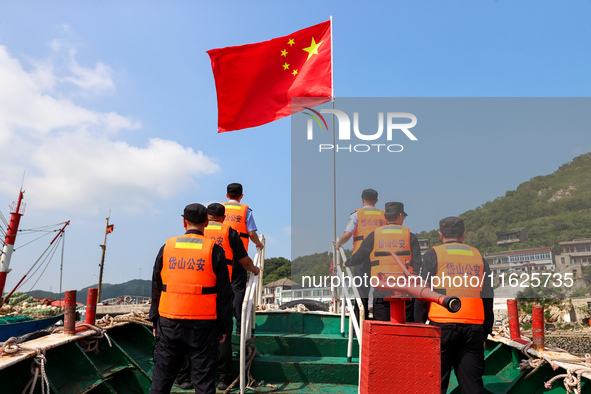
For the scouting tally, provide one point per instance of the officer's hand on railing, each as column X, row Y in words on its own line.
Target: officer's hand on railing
column 256, row 271
column 260, row 246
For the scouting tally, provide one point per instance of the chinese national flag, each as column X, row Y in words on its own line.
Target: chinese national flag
column 110, row 228
column 255, row 82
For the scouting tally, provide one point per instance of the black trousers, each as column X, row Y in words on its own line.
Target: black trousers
column 224, row 369
column 462, row 347
column 381, row 309
column 238, row 289
column 177, row 338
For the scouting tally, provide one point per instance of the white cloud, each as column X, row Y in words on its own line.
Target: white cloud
column 71, row 154
column 97, row 79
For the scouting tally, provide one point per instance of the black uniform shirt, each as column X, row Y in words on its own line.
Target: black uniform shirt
column 223, row 290
column 239, row 252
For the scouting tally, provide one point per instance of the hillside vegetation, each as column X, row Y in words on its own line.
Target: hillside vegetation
column 553, row 208
column 136, row 287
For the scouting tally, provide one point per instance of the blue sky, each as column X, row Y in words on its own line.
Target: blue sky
column 110, row 107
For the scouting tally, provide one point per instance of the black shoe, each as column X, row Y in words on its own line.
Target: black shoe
column 186, row 385
column 225, row 383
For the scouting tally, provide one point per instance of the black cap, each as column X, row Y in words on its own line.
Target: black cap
column 394, row 208
column 451, row 226
column 234, row 188
column 195, row 213
column 216, row 209
column 369, row 195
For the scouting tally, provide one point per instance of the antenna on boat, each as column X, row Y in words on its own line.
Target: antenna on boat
column 108, row 229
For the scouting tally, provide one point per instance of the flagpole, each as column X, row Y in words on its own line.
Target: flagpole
column 331, row 62
column 104, row 248
column 334, row 168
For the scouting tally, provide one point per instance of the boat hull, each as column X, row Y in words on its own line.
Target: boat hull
column 21, row 328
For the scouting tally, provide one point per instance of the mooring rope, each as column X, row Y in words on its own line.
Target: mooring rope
column 38, row 368
column 252, row 383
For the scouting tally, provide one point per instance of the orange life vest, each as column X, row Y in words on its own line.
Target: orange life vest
column 368, row 219
column 390, row 238
column 188, row 280
column 236, row 216
column 456, row 260
column 219, row 233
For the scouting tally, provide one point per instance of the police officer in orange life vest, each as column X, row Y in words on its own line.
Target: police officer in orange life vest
column 229, row 239
column 376, row 248
column 191, row 305
column 463, row 334
column 241, row 219
column 362, row 222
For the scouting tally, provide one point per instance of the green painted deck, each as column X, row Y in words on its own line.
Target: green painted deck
column 298, row 352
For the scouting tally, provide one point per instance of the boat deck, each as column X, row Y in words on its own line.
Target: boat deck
column 297, row 352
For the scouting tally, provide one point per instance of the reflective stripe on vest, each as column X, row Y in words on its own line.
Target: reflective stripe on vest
column 368, row 219
column 390, row 238
column 455, row 260
column 236, row 217
column 188, row 279
column 219, row 233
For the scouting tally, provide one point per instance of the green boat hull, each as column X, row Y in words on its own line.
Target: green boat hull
column 298, row 352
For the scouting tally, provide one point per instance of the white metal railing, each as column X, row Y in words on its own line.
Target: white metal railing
column 348, row 292
column 253, row 291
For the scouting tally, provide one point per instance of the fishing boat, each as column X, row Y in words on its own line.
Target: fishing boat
column 20, row 314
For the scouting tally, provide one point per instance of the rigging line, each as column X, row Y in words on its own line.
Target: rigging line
column 47, row 254
column 37, row 262
column 38, row 238
column 46, row 265
column 3, row 219
column 44, row 227
column 62, row 262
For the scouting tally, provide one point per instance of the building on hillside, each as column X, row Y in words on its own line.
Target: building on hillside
column 322, row 294
column 518, row 261
column 512, row 236
column 272, row 291
column 575, row 255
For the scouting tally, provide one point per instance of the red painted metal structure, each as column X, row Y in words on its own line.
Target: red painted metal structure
column 538, row 327
column 70, row 313
column 91, row 306
column 15, row 218
column 399, row 357
column 513, row 320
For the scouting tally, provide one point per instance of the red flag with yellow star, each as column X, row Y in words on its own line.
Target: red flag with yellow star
column 255, row 82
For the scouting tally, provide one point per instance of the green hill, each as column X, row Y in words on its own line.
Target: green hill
column 136, row 287
column 553, row 208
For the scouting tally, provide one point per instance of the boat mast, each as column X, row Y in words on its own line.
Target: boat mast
column 104, row 247
column 18, row 210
